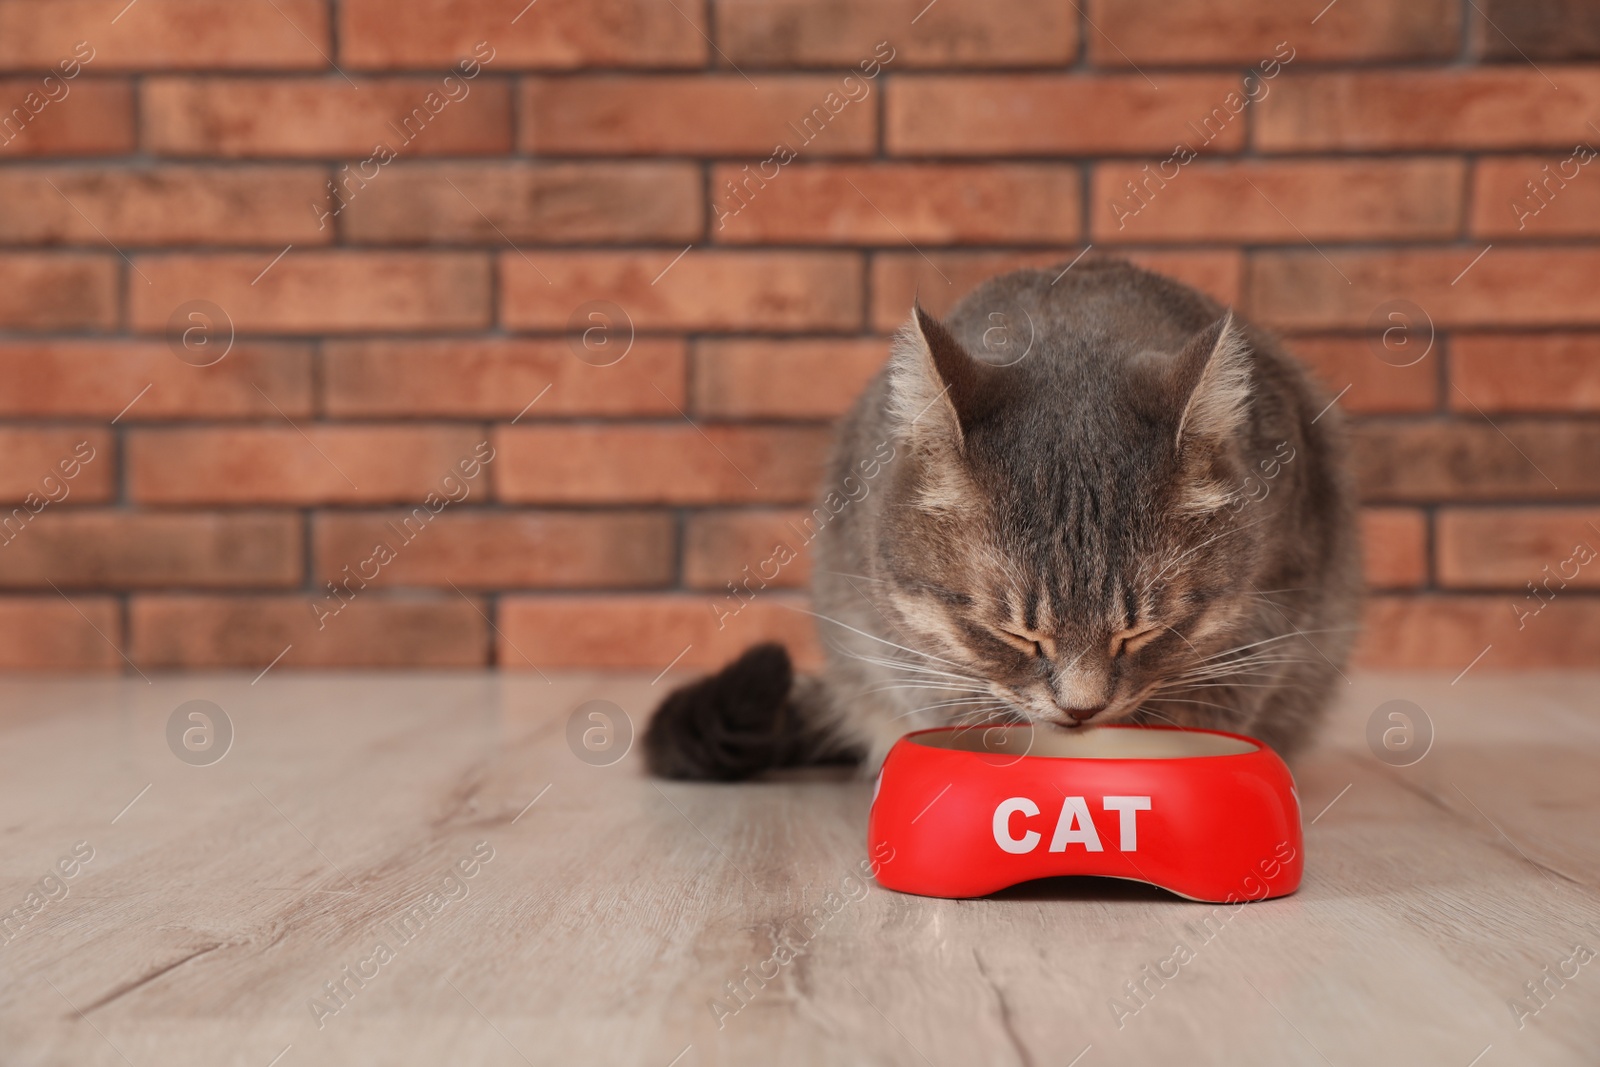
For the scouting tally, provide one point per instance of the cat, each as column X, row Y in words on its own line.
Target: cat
column 1091, row 497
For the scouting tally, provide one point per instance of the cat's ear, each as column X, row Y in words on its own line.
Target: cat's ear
column 937, row 389
column 1211, row 385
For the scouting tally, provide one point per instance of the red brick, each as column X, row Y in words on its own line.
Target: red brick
column 1150, row 32
column 318, row 291
column 99, row 379
column 1395, row 545
column 720, row 545
column 1525, row 372
column 39, row 461
column 1278, row 201
column 94, row 118
column 556, row 35
column 704, row 290
column 1551, row 29
column 322, row 117
column 500, row 550
column 248, row 632
column 1416, row 110
column 645, row 633
column 1056, row 114
column 1505, row 548
column 285, row 465
column 792, row 378
column 553, row 203
column 57, row 292
column 1472, row 461
column 118, row 550
column 672, row 464
column 498, row 378
column 52, row 634
column 1376, row 386
column 161, row 206
column 1511, row 286
column 1537, row 196
column 1447, row 633
column 896, row 204
column 166, row 35
column 796, row 33
column 939, row 279
column 712, row 115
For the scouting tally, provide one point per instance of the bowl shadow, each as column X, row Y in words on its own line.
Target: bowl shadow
column 1086, row 888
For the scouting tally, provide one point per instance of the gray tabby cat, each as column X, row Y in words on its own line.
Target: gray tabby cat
column 1092, row 497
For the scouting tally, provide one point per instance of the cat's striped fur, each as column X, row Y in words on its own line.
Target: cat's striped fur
column 1109, row 500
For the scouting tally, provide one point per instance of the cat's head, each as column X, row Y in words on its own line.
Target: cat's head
column 1067, row 528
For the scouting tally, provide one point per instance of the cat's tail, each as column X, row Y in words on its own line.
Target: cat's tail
column 754, row 715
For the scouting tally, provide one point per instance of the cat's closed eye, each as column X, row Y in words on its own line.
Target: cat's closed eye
column 1125, row 642
column 1025, row 643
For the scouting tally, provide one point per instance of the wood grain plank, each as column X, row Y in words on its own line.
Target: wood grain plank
column 618, row 915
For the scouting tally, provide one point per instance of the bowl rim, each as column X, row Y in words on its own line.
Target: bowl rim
column 1254, row 748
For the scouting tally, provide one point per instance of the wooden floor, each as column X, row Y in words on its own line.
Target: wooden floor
column 222, row 901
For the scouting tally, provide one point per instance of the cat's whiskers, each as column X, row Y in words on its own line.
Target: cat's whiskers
column 972, row 705
column 1142, row 710
column 911, row 668
column 936, row 682
column 1177, row 700
column 1264, row 667
column 1232, row 677
column 974, row 690
column 1231, row 666
column 914, row 675
column 1260, row 650
column 979, row 715
column 1264, row 594
column 1216, row 680
column 1000, row 716
column 872, row 637
column 1182, row 638
column 1277, row 637
column 863, row 577
column 1230, row 682
column 978, row 709
column 1264, row 664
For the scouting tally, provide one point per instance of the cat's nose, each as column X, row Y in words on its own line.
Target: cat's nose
column 1083, row 688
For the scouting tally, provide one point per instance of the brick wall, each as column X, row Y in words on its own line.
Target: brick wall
column 495, row 235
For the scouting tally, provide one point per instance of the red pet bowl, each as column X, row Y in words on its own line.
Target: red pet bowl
column 967, row 811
